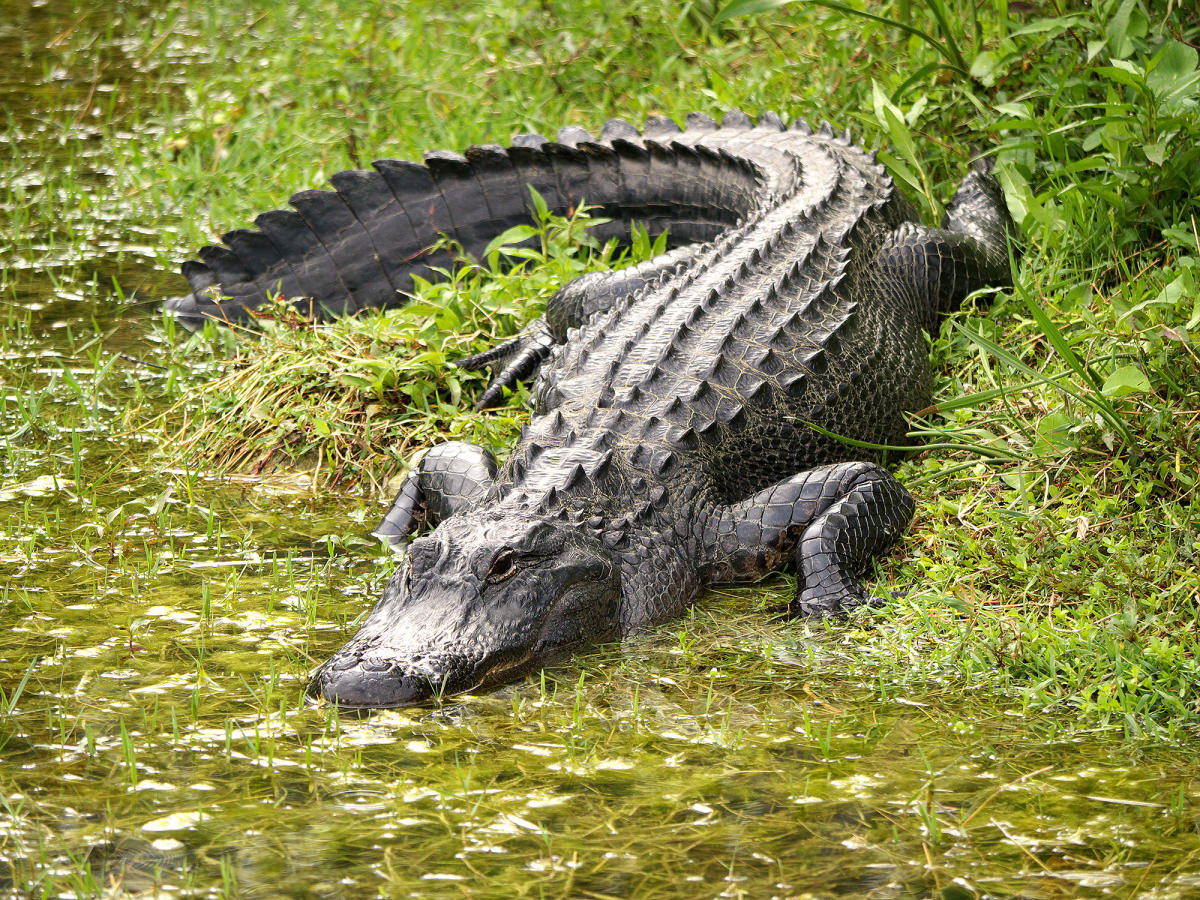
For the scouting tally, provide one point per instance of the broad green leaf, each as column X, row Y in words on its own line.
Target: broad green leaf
column 1180, row 287
column 1053, row 428
column 1172, row 75
column 1156, row 152
column 1124, row 74
column 892, row 119
column 901, row 171
column 1126, row 380
column 514, row 235
column 1017, row 110
column 720, row 90
column 539, row 203
column 1056, row 25
column 984, row 65
column 1129, row 22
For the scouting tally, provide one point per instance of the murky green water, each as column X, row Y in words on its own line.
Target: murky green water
column 158, row 629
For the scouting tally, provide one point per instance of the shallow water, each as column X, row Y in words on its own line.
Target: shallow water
column 160, row 627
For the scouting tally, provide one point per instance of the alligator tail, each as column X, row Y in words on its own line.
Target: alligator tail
column 361, row 244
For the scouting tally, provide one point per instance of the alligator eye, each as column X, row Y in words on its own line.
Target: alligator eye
column 503, row 566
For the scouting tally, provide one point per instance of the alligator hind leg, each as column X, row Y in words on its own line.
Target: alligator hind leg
column 449, row 478
column 969, row 251
column 831, row 522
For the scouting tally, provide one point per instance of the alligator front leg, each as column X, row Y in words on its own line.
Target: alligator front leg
column 518, row 358
column 831, row 522
column 449, row 478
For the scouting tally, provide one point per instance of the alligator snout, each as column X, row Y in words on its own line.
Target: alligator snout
column 356, row 686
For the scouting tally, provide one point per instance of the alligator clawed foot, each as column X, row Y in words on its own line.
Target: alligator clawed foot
column 517, row 359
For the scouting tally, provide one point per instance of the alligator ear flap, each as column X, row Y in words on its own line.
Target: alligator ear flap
column 698, row 121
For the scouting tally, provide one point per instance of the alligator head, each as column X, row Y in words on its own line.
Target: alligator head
column 484, row 597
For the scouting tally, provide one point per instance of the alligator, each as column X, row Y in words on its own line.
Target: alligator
column 690, row 414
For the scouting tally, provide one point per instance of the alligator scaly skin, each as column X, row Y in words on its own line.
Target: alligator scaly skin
column 670, row 445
